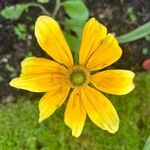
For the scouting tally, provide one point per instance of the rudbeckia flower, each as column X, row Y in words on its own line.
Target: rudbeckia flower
column 80, row 84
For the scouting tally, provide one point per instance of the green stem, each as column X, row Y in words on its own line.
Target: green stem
column 57, row 6
column 41, row 7
column 76, row 58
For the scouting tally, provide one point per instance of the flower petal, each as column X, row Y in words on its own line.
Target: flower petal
column 93, row 34
column 52, row 100
column 100, row 109
column 75, row 114
column 117, row 82
column 106, row 54
column 37, row 82
column 39, row 75
column 51, row 40
column 34, row 65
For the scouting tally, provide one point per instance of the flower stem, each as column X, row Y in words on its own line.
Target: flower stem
column 76, row 58
column 57, row 6
column 41, row 7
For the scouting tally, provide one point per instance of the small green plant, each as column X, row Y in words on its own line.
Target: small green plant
column 21, row 31
column 13, row 12
column 131, row 14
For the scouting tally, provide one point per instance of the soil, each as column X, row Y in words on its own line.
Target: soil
column 112, row 13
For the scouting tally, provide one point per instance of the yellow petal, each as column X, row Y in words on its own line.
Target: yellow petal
column 117, row 82
column 34, row 65
column 75, row 114
column 106, row 54
column 100, row 109
column 39, row 75
column 93, row 34
column 37, row 82
column 51, row 40
column 52, row 100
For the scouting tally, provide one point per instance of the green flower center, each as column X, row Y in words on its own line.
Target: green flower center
column 78, row 78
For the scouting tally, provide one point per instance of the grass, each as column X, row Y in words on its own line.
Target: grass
column 20, row 130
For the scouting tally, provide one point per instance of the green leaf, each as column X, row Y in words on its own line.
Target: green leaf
column 147, row 145
column 75, row 26
column 136, row 34
column 13, row 12
column 72, row 41
column 76, row 10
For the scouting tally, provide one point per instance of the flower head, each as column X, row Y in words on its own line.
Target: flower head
column 60, row 76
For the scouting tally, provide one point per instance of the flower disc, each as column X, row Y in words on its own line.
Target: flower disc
column 77, row 76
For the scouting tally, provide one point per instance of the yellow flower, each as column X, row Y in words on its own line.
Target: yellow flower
column 61, row 79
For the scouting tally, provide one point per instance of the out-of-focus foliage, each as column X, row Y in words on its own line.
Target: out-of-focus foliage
column 136, row 34
column 79, row 14
column 19, row 127
column 72, row 41
column 16, row 127
column 76, row 10
column 13, row 12
column 147, row 145
column 131, row 14
column 43, row 1
column 21, row 31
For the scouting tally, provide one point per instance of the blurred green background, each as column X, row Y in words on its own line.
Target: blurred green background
column 20, row 130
